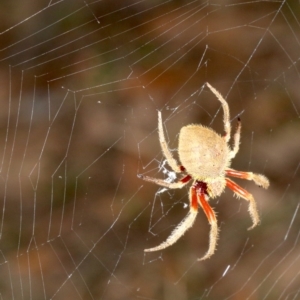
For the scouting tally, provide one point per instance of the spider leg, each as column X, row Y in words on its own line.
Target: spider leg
column 236, row 140
column 259, row 179
column 198, row 193
column 227, row 126
column 247, row 196
column 180, row 230
column 166, row 151
column 171, row 185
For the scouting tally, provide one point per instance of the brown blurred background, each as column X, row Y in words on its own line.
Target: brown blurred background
column 81, row 83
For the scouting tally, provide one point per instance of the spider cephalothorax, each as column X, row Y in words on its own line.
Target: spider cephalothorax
column 205, row 157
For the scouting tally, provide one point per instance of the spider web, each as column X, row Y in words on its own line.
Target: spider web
column 81, row 84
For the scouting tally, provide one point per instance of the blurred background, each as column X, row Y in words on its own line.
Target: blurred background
column 81, row 84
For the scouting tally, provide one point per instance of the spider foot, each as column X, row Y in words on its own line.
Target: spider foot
column 178, row 232
column 213, row 238
column 261, row 180
column 255, row 223
column 253, row 212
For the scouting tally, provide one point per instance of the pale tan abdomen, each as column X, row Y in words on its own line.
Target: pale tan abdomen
column 203, row 152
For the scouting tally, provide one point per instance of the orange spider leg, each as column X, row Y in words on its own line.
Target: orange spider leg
column 238, row 174
column 259, row 179
column 193, row 198
column 239, row 191
column 186, row 178
column 198, row 197
column 205, row 206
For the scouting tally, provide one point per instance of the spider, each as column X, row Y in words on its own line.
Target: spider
column 205, row 158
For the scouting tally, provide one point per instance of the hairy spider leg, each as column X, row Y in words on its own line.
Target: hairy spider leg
column 182, row 227
column 236, row 140
column 171, row 185
column 198, row 193
column 259, row 179
column 239, row 191
column 226, row 117
column 165, row 149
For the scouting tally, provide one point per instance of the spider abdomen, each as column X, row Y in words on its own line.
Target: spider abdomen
column 202, row 152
